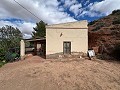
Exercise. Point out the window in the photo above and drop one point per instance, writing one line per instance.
(67, 47)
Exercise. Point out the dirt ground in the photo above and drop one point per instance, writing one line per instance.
(76, 74)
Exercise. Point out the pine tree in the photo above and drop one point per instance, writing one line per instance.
(39, 30)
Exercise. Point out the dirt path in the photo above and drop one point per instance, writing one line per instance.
(38, 74)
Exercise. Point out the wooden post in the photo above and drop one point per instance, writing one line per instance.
(35, 48)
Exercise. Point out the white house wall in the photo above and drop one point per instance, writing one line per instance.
(76, 33)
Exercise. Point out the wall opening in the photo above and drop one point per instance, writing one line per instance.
(66, 47)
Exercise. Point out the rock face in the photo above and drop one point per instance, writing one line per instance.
(105, 31)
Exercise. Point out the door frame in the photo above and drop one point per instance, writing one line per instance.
(70, 47)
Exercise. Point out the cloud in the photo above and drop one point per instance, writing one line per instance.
(68, 3)
(103, 8)
(46, 10)
(106, 6)
(25, 27)
(75, 8)
(72, 5)
(52, 11)
(3, 23)
(87, 2)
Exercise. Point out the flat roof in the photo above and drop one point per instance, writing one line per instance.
(70, 25)
(38, 39)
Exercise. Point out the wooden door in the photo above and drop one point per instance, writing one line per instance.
(67, 47)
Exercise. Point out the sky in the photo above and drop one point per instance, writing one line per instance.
(52, 12)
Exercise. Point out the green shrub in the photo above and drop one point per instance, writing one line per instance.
(98, 26)
(92, 22)
(117, 21)
(116, 12)
(2, 63)
(101, 24)
(2, 55)
(116, 51)
(10, 57)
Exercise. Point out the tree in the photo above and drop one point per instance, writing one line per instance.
(39, 30)
(9, 38)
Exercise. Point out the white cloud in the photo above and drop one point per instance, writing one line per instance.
(87, 2)
(46, 10)
(27, 36)
(99, 9)
(72, 5)
(3, 23)
(106, 6)
(75, 9)
(26, 27)
(68, 3)
(50, 12)
(90, 14)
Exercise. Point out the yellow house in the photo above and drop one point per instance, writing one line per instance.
(66, 38)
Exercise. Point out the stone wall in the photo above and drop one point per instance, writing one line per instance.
(61, 55)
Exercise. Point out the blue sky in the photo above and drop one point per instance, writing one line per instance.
(84, 5)
(52, 12)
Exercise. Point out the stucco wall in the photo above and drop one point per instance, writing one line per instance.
(76, 33)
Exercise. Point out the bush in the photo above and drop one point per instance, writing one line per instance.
(116, 12)
(92, 22)
(101, 24)
(117, 21)
(2, 63)
(116, 51)
(10, 57)
(2, 55)
(98, 26)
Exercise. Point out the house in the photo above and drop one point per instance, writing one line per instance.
(64, 39)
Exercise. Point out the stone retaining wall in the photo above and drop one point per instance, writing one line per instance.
(61, 55)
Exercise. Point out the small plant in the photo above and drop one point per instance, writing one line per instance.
(101, 24)
(98, 26)
(92, 22)
(2, 63)
(2, 55)
(117, 21)
(10, 57)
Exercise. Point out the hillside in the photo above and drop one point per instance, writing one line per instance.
(106, 32)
